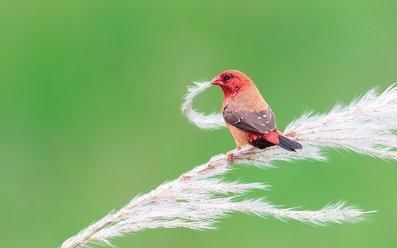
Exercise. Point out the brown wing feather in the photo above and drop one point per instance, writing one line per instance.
(251, 121)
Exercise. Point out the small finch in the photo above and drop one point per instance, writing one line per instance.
(247, 115)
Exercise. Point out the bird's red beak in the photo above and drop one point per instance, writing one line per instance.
(217, 81)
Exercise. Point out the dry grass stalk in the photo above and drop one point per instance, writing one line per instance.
(200, 197)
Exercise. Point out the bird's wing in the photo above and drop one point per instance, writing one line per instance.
(251, 121)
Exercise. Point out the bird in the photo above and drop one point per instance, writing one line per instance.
(247, 115)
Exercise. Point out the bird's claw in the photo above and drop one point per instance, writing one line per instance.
(230, 157)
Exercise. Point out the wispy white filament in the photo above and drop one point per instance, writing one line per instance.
(210, 121)
(198, 198)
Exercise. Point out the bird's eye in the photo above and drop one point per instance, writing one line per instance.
(227, 77)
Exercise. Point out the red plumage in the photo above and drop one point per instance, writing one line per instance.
(247, 115)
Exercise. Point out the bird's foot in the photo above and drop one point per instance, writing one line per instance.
(230, 157)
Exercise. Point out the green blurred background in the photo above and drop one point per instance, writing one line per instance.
(90, 95)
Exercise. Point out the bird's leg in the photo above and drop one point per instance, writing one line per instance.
(230, 155)
(230, 158)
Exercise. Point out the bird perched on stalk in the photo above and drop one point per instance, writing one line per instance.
(248, 117)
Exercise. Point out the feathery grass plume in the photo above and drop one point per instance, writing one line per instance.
(200, 197)
(210, 121)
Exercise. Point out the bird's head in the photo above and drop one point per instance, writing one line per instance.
(232, 81)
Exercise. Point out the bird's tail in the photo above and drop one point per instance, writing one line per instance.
(288, 144)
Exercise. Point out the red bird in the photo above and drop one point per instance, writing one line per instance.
(247, 115)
